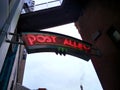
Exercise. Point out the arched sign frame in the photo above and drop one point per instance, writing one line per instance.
(44, 41)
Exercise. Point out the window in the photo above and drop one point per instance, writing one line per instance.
(114, 34)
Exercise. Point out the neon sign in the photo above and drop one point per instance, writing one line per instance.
(52, 42)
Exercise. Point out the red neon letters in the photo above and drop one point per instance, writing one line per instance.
(34, 39)
(74, 44)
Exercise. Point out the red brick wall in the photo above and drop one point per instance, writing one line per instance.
(99, 16)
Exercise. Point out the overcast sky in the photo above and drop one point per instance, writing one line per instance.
(44, 1)
(43, 4)
(56, 72)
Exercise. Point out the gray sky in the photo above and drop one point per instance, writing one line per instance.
(43, 1)
(56, 72)
(47, 5)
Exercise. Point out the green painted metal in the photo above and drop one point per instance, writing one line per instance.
(7, 68)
